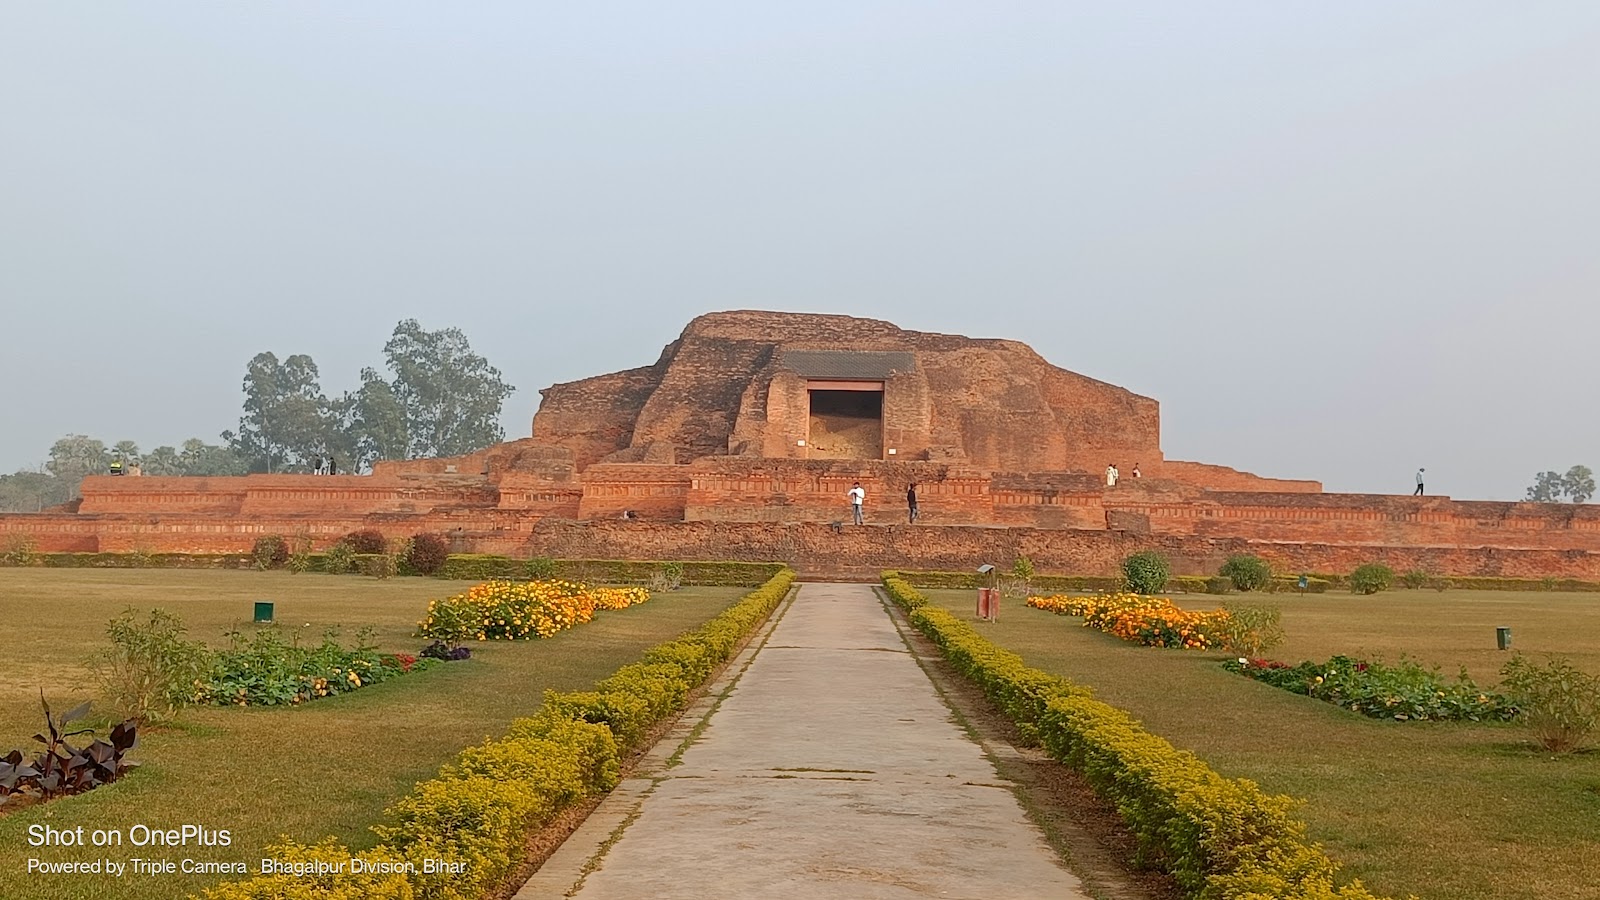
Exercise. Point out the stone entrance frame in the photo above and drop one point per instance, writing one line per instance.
(844, 419)
(847, 410)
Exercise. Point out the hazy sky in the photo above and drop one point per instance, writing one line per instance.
(1336, 241)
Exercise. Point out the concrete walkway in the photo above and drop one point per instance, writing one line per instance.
(825, 766)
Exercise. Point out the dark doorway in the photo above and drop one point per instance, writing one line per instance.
(846, 425)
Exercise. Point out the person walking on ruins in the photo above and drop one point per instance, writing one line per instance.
(1419, 483)
(1136, 471)
(858, 496)
(1111, 474)
(911, 503)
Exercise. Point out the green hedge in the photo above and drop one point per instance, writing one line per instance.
(1318, 583)
(1041, 583)
(1290, 584)
(1219, 838)
(457, 566)
(145, 560)
(478, 566)
(484, 805)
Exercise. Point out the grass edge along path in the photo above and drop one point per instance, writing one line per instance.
(480, 810)
(1219, 838)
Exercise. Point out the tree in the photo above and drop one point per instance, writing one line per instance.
(31, 491)
(1580, 484)
(449, 397)
(287, 422)
(73, 457)
(201, 458)
(1576, 485)
(378, 421)
(162, 460)
(127, 451)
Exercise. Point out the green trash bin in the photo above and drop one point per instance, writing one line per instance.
(263, 612)
(1502, 637)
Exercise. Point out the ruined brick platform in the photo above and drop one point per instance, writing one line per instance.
(741, 441)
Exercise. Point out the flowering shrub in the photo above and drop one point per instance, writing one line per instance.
(1404, 691)
(1219, 838)
(1150, 621)
(1558, 701)
(267, 670)
(482, 806)
(618, 597)
(521, 610)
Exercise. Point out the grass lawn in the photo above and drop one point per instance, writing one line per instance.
(329, 767)
(1444, 811)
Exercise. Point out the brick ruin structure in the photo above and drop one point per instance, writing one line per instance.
(743, 438)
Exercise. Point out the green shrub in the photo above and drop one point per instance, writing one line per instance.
(300, 560)
(1249, 573)
(1219, 838)
(1022, 567)
(1371, 578)
(1290, 584)
(1219, 584)
(271, 551)
(267, 669)
(1250, 630)
(1146, 572)
(668, 578)
(428, 553)
(377, 882)
(1558, 701)
(1417, 578)
(378, 565)
(149, 671)
(1188, 584)
(367, 540)
(339, 560)
(482, 806)
(1404, 691)
(1056, 584)
(479, 567)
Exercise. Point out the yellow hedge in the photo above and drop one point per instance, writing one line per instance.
(1220, 838)
(484, 804)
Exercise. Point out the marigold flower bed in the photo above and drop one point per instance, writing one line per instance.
(1150, 621)
(522, 610)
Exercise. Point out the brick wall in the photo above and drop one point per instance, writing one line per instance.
(819, 549)
(815, 547)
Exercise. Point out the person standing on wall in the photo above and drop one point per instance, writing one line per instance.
(911, 503)
(857, 496)
(1419, 483)
(1111, 474)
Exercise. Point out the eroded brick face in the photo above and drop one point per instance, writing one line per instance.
(704, 455)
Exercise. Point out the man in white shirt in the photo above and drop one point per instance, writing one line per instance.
(1111, 475)
(857, 496)
(1419, 483)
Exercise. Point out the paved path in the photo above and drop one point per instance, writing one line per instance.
(827, 767)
